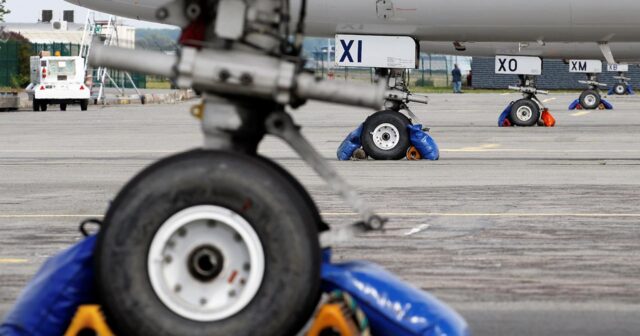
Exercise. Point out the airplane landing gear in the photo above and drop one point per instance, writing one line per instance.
(213, 233)
(221, 241)
(528, 111)
(385, 134)
(591, 98)
(623, 87)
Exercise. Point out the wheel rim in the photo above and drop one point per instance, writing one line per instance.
(524, 113)
(590, 100)
(206, 263)
(620, 89)
(386, 136)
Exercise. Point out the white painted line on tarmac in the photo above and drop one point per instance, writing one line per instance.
(417, 229)
(13, 261)
(579, 114)
(507, 214)
(86, 151)
(536, 150)
(505, 94)
(481, 148)
(549, 100)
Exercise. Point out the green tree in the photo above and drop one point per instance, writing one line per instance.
(3, 10)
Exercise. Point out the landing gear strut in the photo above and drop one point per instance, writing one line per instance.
(385, 135)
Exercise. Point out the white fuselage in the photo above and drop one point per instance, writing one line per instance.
(548, 24)
(479, 20)
(441, 20)
(623, 52)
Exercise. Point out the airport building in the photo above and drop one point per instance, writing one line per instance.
(57, 33)
(68, 30)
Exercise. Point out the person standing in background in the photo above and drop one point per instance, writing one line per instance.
(456, 76)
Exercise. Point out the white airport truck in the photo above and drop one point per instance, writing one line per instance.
(58, 80)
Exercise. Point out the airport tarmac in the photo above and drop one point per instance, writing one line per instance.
(526, 231)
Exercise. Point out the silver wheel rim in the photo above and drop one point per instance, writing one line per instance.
(620, 89)
(590, 100)
(386, 136)
(524, 113)
(206, 263)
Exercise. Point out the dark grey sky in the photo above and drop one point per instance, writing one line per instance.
(30, 10)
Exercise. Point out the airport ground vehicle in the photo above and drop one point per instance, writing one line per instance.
(57, 80)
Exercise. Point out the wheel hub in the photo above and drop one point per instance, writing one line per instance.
(386, 136)
(590, 100)
(524, 113)
(206, 263)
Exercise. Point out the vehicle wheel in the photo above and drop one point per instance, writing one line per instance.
(590, 99)
(524, 112)
(209, 243)
(620, 89)
(84, 104)
(43, 105)
(63, 107)
(36, 105)
(385, 135)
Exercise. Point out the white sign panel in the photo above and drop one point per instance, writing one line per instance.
(618, 67)
(518, 65)
(369, 51)
(585, 66)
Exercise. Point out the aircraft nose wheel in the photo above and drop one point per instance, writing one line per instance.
(525, 112)
(590, 99)
(385, 135)
(620, 89)
(203, 243)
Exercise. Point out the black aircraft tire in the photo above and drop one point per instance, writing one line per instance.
(525, 113)
(43, 105)
(590, 99)
(250, 190)
(63, 107)
(385, 135)
(36, 105)
(620, 89)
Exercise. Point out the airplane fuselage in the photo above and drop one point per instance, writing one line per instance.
(624, 52)
(473, 20)
(442, 20)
